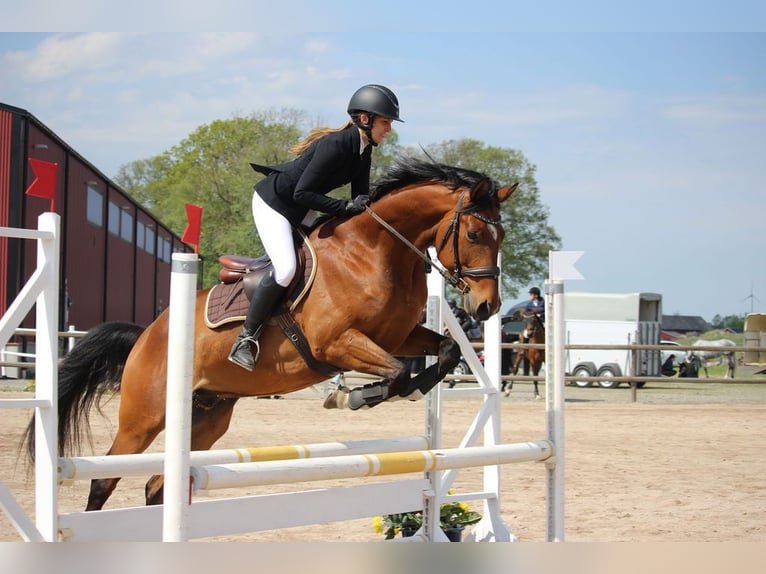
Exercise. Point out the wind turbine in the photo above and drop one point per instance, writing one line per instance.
(752, 297)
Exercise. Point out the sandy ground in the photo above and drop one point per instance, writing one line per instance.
(635, 472)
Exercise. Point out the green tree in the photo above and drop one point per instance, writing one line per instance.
(733, 322)
(211, 168)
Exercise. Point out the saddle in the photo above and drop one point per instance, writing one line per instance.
(228, 301)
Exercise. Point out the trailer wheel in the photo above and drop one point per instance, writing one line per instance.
(460, 369)
(608, 371)
(584, 370)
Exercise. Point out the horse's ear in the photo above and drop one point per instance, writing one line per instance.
(481, 189)
(505, 192)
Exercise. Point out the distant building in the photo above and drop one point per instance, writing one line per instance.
(115, 255)
(675, 326)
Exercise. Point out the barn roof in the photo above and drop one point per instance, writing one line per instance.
(684, 323)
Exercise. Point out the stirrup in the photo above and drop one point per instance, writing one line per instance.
(242, 353)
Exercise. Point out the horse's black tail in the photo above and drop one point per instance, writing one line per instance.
(93, 367)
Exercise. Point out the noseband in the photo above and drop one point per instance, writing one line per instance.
(454, 277)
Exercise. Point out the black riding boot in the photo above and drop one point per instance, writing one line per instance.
(264, 298)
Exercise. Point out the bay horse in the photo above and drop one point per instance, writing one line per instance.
(534, 329)
(361, 311)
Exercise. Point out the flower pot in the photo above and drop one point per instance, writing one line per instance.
(407, 532)
(455, 533)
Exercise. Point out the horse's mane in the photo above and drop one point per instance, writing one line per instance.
(412, 170)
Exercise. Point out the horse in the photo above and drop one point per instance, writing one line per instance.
(360, 313)
(534, 330)
(705, 356)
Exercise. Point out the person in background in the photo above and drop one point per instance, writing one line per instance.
(668, 369)
(462, 317)
(536, 304)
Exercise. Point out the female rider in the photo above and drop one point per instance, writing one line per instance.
(294, 191)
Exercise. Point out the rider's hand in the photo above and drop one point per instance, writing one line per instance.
(358, 204)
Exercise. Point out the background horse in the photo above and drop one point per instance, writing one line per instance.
(706, 356)
(534, 329)
(361, 311)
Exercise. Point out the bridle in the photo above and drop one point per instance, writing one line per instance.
(454, 277)
(534, 323)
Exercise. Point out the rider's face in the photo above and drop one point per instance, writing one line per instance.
(380, 128)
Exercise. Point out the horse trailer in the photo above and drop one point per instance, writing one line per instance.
(612, 319)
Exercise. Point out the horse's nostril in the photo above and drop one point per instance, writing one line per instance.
(482, 311)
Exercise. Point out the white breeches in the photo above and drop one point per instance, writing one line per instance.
(276, 235)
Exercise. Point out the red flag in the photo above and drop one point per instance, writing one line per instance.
(44, 184)
(191, 233)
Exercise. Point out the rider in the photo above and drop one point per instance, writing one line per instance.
(535, 306)
(294, 191)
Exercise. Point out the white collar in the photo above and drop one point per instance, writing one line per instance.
(362, 145)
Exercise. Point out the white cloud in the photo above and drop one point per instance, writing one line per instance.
(706, 111)
(548, 107)
(318, 46)
(63, 55)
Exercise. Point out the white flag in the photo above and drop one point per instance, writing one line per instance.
(561, 265)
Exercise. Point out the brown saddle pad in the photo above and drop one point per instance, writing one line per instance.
(228, 302)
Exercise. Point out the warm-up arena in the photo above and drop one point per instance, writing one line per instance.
(178, 519)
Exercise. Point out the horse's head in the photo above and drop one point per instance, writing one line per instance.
(468, 241)
(457, 211)
(533, 324)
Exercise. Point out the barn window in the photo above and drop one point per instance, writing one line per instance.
(95, 207)
(114, 218)
(149, 244)
(126, 226)
(140, 232)
(164, 250)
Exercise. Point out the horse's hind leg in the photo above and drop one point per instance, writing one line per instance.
(210, 421)
(136, 439)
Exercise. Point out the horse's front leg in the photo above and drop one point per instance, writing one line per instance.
(363, 355)
(421, 342)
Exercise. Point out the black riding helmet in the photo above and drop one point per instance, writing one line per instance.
(534, 291)
(376, 100)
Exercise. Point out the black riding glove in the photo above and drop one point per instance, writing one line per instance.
(357, 204)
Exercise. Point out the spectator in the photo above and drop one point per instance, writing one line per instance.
(668, 368)
(690, 368)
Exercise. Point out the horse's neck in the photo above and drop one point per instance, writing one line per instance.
(415, 213)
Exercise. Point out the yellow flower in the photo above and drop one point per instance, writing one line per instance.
(377, 524)
(463, 506)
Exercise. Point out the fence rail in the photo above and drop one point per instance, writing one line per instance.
(72, 335)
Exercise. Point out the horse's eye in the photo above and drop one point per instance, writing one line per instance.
(473, 235)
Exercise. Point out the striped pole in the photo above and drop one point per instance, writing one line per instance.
(145, 464)
(213, 477)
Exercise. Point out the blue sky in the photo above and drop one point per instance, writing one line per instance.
(650, 146)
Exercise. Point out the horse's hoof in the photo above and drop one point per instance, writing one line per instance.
(337, 399)
(508, 393)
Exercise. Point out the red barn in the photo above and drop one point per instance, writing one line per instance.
(115, 255)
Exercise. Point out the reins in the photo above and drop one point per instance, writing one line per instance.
(453, 278)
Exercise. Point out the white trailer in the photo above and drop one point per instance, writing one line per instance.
(612, 319)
